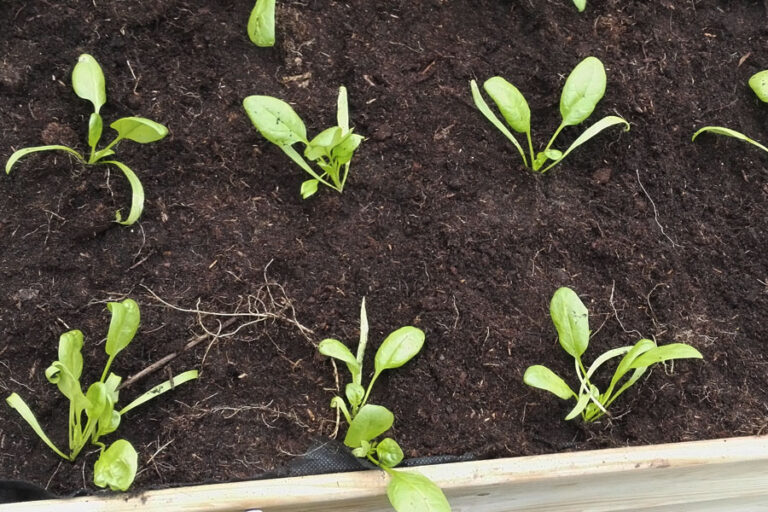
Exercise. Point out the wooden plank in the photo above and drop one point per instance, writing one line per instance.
(721, 475)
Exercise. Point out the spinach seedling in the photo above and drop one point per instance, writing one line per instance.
(580, 4)
(759, 84)
(88, 83)
(571, 320)
(261, 23)
(407, 492)
(331, 150)
(583, 89)
(116, 466)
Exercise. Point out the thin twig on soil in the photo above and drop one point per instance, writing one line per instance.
(655, 210)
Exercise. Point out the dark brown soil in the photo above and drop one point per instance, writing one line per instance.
(439, 227)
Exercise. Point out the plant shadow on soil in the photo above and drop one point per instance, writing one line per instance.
(439, 226)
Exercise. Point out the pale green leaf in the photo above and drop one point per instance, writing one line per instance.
(583, 89)
(88, 81)
(25, 151)
(344, 150)
(16, 402)
(581, 404)
(95, 127)
(321, 144)
(355, 393)
(389, 452)
(510, 102)
(635, 351)
(398, 348)
(720, 130)
(337, 350)
(371, 421)
(590, 132)
(160, 389)
(139, 129)
(571, 320)
(342, 110)
(261, 23)
(482, 106)
(666, 353)
(70, 352)
(122, 326)
(275, 120)
(542, 377)
(759, 84)
(413, 492)
(137, 194)
(580, 4)
(309, 188)
(116, 466)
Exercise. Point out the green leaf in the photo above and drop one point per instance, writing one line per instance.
(321, 144)
(759, 84)
(122, 326)
(160, 389)
(495, 121)
(389, 453)
(553, 154)
(261, 23)
(355, 393)
(571, 320)
(666, 353)
(580, 4)
(637, 349)
(137, 194)
(95, 127)
(342, 110)
(337, 350)
(581, 404)
(413, 492)
(309, 188)
(345, 149)
(88, 81)
(510, 102)
(70, 355)
(116, 466)
(720, 130)
(398, 348)
(338, 403)
(583, 89)
(542, 377)
(590, 132)
(371, 421)
(275, 120)
(25, 151)
(139, 129)
(363, 450)
(16, 402)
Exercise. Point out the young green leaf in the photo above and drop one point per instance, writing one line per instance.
(389, 453)
(261, 23)
(541, 377)
(580, 4)
(759, 84)
(17, 155)
(590, 132)
(122, 326)
(321, 144)
(276, 120)
(116, 466)
(720, 130)
(88, 81)
(342, 110)
(95, 127)
(413, 492)
(16, 402)
(137, 194)
(583, 89)
(398, 348)
(139, 129)
(666, 353)
(571, 320)
(355, 394)
(160, 389)
(337, 350)
(510, 102)
(70, 352)
(482, 106)
(309, 188)
(371, 421)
